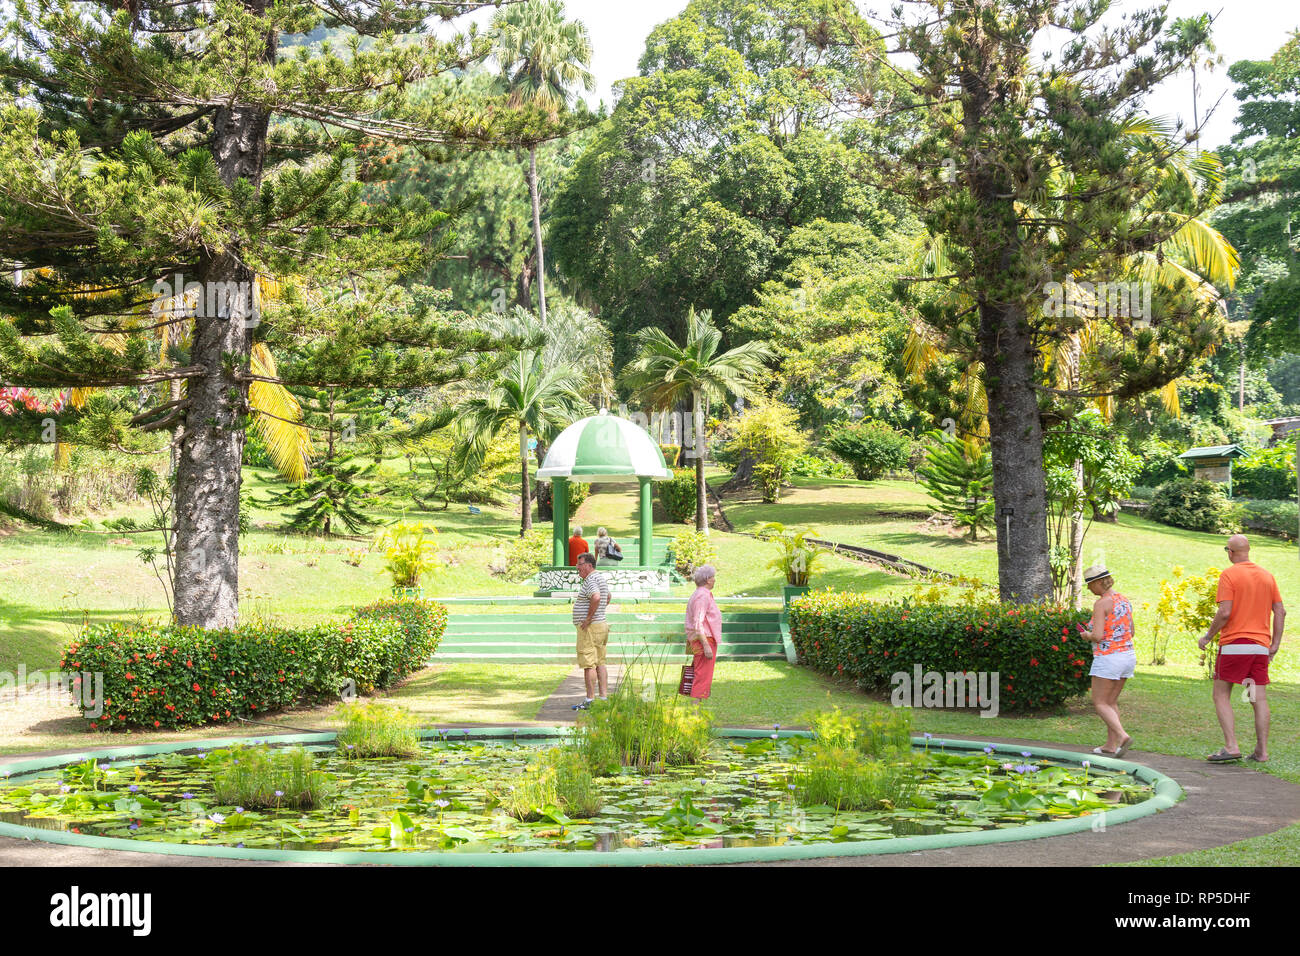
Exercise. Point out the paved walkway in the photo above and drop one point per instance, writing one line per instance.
(558, 708)
(1225, 803)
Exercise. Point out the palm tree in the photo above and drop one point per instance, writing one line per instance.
(542, 57)
(532, 396)
(665, 373)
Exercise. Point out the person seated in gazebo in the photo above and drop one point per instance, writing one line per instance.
(577, 546)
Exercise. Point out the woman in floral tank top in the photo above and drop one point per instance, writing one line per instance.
(1113, 657)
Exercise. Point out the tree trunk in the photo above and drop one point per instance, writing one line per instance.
(537, 234)
(697, 448)
(525, 492)
(1076, 540)
(1019, 481)
(545, 491)
(206, 578)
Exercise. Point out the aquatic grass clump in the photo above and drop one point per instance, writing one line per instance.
(643, 727)
(875, 732)
(841, 777)
(377, 730)
(259, 778)
(559, 778)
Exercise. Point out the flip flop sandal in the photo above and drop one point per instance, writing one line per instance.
(1223, 757)
(1105, 753)
(1123, 748)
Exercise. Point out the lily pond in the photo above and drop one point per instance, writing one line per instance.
(449, 798)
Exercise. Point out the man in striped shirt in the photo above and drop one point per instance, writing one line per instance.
(593, 629)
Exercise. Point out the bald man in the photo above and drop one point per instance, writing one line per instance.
(1247, 597)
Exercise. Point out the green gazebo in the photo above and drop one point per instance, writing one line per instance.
(1213, 462)
(607, 449)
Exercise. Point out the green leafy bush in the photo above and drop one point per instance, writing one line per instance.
(1194, 505)
(672, 454)
(1268, 473)
(814, 466)
(258, 778)
(522, 557)
(1277, 517)
(691, 549)
(409, 552)
(169, 676)
(768, 433)
(1040, 659)
(377, 730)
(871, 448)
(577, 492)
(679, 496)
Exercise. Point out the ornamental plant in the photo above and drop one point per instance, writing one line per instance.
(797, 556)
(1040, 659)
(871, 448)
(678, 496)
(1187, 603)
(257, 778)
(408, 552)
(690, 550)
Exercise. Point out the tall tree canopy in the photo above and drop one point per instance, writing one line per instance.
(158, 143)
(725, 144)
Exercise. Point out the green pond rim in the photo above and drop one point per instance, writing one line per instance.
(1167, 792)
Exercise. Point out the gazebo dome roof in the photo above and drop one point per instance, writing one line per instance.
(604, 447)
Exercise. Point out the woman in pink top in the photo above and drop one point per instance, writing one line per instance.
(703, 629)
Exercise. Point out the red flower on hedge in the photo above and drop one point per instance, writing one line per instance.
(1033, 662)
(197, 688)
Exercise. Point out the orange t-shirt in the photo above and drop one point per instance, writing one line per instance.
(577, 546)
(1253, 592)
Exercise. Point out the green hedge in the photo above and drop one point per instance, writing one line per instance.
(1040, 658)
(679, 496)
(168, 676)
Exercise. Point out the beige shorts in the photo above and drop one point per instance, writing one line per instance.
(591, 643)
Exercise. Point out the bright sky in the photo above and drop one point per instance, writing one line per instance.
(1244, 30)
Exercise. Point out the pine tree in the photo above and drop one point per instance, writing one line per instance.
(158, 144)
(962, 483)
(1026, 168)
(346, 425)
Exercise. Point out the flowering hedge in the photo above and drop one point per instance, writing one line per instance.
(168, 676)
(1040, 658)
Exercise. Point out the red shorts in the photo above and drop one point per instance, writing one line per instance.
(1239, 668)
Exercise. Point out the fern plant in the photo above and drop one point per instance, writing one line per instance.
(797, 556)
(408, 552)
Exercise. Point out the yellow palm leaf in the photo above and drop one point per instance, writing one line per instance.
(275, 411)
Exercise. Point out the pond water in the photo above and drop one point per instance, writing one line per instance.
(445, 799)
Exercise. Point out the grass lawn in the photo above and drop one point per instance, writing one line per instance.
(51, 582)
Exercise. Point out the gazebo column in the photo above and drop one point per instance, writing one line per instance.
(646, 512)
(560, 521)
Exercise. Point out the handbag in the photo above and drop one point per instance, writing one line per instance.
(614, 551)
(687, 681)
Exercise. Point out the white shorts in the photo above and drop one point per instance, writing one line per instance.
(1115, 666)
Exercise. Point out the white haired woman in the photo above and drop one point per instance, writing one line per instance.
(703, 629)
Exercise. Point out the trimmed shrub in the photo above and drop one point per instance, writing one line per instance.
(672, 455)
(871, 448)
(1194, 505)
(169, 676)
(1040, 659)
(678, 496)
(691, 549)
